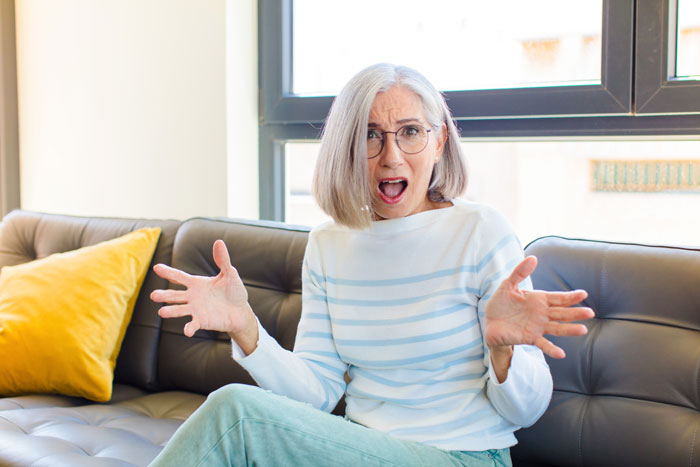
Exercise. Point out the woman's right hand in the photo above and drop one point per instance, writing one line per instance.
(218, 303)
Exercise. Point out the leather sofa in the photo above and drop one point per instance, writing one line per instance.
(627, 393)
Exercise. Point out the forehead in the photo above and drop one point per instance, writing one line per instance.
(396, 104)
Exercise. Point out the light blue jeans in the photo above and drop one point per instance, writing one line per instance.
(243, 425)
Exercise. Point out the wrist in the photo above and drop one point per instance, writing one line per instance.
(501, 356)
(247, 337)
(501, 350)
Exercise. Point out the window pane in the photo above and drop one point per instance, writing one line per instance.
(630, 191)
(458, 44)
(688, 41)
(300, 205)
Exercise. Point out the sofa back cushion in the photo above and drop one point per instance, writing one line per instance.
(628, 393)
(268, 257)
(26, 236)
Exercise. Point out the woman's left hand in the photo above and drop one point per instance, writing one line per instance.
(515, 316)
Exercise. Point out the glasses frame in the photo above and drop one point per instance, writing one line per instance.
(396, 140)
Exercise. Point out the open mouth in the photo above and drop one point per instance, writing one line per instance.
(391, 190)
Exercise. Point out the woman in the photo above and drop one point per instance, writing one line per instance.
(410, 309)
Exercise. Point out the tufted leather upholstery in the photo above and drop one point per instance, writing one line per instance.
(268, 257)
(628, 393)
(131, 432)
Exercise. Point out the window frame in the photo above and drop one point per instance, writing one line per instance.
(9, 128)
(613, 96)
(605, 110)
(657, 89)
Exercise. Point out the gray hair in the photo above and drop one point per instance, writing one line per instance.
(340, 183)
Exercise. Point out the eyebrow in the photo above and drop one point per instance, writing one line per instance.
(400, 122)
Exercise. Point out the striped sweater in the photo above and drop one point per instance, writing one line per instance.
(400, 308)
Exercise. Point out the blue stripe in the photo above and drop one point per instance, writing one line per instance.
(322, 316)
(321, 379)
(393, 302)
(337, 371)
(327, 391)
(405, 340)
(422, 358)
(398, 281)
(417, 401)
(418, 278)
(460, 361)
(499, 276)
(400, 384)
(319, 335)
(391, 322)
(320, 353)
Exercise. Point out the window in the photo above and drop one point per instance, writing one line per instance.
(559, 45)
(688, 40)
(638, 109)
(633, 191)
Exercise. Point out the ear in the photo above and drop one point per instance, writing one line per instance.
(441, 138)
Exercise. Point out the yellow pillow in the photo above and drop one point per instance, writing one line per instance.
(63, 317)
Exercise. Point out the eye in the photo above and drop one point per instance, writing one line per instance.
(373, 135)
(411, 131)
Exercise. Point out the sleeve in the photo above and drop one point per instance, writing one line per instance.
(313, 372)
(525, 394)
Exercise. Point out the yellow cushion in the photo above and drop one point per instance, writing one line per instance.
(63, 317)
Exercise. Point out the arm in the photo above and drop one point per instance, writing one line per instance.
(220, 303)
(514, 319)
(314, 372)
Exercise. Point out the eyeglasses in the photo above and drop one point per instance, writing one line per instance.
(411, 139)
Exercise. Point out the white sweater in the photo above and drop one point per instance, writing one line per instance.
(400, 308)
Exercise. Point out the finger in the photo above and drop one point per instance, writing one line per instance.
(192, 327)
(174, 311)
(221, 256)
(565, 329)
(169, 296)
(173, 275)
(522, 271)
(578, 313)
(565, 298)
(550, 349)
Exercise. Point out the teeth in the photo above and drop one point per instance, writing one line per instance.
(392, 181)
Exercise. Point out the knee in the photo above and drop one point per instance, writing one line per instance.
(234, 396)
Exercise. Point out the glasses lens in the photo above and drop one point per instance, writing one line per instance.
(412, 138)
(374, 142)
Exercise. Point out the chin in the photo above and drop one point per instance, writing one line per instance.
(394, 212)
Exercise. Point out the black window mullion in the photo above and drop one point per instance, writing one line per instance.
(657, 90)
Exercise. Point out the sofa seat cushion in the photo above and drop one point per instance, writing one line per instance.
(120, 392)
(125, 433)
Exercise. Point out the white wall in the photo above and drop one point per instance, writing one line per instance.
(123, 107)
(242, 107)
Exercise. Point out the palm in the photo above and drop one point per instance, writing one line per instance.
(515, 316)
(215, 300)
(218, 303)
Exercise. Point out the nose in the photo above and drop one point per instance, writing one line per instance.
(391, 156)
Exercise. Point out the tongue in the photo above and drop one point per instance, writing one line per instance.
(392, 190)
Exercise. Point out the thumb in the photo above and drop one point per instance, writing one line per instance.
(221, 257)
(192, 327)
(522, 271)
